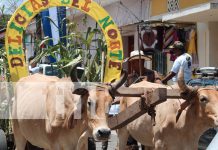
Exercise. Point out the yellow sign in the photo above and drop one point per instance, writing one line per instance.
(26, 12)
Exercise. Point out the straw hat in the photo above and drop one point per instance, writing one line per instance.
(135, 55)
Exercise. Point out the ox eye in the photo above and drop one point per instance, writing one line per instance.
(89, 103)
(203, 99)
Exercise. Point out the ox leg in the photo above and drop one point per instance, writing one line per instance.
(123, 135)
(83, 141)
(55, 147)
(159, 142)
(159, 145)
(20, 141)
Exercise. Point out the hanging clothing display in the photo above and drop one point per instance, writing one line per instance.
(148, 39)
(192, 48)
(155, 40)
(170, 36)
(181, 33)
(160, 33)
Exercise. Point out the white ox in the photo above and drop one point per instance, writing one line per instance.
(200, 113)
(48, 115)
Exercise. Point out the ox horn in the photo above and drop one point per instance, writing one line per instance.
(73, 72)
(119, 83)
(186, 91)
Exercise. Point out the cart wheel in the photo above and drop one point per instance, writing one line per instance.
(3, 141)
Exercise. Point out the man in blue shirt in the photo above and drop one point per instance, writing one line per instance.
(183, 60)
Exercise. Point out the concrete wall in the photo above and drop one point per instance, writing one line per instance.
(213, 37)
(203, 44)
(207, 44)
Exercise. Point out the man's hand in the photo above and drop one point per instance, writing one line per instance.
(164, 82)
(168, 77)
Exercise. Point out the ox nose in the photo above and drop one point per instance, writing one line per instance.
(104, 133)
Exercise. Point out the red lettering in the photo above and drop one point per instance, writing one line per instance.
(115, 65)
(75, 3)
(112, 33)
(115, 45)
(85, 7)
(16, 61)
(20, 19)
(45, 3)
(35, 4)
(18, 40)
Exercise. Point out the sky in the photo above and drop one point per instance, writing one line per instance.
(9, 3)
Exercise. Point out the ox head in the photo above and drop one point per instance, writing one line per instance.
(204, 100)
(97, 101)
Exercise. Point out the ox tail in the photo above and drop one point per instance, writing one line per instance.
(14, 116)
(14, 106)
(15, 123)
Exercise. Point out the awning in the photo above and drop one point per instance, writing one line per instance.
(201, 13)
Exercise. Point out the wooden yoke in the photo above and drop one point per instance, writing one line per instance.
(149, 98)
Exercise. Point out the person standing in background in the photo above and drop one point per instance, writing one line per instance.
(183, 60)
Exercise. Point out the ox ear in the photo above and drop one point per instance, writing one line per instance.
(80, 91)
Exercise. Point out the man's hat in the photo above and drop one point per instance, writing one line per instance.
(177, 45)
(135, 55)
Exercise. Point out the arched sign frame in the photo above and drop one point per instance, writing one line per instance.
(26, 12)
